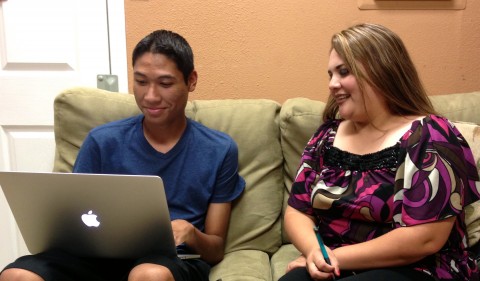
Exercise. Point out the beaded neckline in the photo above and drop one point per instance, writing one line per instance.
(386, 158)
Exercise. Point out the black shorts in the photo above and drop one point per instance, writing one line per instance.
(57, 265)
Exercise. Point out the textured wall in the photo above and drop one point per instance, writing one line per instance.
(279, 49)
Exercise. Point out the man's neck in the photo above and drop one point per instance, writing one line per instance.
(164, 137)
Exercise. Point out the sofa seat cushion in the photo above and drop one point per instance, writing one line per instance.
(248, 265)
(281, 258)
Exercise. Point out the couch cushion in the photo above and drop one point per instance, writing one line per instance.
(244, 265)
(471, 133)
(458, 107)
(253, 124)
(255, 221)
(299, 119)
(77, 111)
(281, 258)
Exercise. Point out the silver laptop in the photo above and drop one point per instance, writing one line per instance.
(91, 215)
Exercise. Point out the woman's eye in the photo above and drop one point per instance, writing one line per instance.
(343, 72)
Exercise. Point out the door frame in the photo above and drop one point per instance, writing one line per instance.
(118, 42)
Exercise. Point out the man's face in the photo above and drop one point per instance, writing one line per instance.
(160, 90)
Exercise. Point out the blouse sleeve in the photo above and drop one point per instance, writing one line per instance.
(438, 176)
(311, 163)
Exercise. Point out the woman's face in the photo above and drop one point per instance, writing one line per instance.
(344, 88)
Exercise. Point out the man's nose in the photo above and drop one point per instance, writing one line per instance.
(151, 92)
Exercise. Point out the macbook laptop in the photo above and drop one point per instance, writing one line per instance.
(91, 215)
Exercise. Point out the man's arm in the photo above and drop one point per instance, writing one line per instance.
(211, 244)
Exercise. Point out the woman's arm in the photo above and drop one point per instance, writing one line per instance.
(299, 228)
(401, 246)
(398, 247)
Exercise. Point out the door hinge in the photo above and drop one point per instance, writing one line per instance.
(107, 82)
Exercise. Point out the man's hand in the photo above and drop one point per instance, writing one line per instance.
(183, 232)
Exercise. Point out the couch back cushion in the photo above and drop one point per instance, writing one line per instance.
(471, 132)
(77, 111)
(462, 109)
(253, 124)
(459, 106)
(299, 119)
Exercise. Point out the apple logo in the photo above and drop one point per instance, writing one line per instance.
(90, 219)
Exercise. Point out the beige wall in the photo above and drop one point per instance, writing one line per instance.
(278, 49)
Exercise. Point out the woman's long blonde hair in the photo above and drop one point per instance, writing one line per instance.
(387, 68)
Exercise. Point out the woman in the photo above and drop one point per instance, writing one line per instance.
(384, 179)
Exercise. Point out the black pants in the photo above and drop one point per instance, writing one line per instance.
(384, 274)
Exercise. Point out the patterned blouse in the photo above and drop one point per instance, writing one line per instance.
(429, 175)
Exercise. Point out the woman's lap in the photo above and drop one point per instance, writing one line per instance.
(387, 274)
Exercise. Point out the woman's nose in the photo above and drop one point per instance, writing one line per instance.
(333, 83)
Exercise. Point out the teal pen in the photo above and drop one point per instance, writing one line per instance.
(322, 247)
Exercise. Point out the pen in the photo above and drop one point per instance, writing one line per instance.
(322, 247)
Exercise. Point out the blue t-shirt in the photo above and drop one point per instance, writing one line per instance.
(202, 168)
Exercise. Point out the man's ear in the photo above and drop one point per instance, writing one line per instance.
(192, 81)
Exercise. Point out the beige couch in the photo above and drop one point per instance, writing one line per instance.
(270, 137)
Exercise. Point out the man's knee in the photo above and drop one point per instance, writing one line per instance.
(148, 271)
(18, 274)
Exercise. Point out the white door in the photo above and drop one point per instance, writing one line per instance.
(47, 46)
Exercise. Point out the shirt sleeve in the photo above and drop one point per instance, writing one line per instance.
(229, 184)
(88, 158)
(438, 177)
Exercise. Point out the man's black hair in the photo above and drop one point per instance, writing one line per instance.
(170, 44)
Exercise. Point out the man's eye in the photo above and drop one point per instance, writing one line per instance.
(140, 82)
(166, 85)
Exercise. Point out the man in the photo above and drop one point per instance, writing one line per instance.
(198, 165)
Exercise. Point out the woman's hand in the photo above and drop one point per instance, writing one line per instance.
(300, 229)
(318, 268)
(301, 261)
